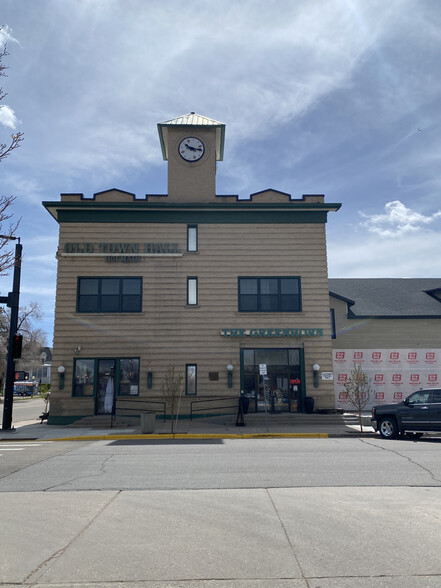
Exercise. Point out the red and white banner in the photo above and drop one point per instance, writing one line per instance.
(393, 373)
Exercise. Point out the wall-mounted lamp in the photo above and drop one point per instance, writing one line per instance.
(77, 349)
(315, 373)
(230, 375)
(149, 379)
(61, 370)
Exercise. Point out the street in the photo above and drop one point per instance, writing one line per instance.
(270, 513)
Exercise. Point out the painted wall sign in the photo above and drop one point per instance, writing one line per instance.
(121, 252)
(272, 332)
(121, 248)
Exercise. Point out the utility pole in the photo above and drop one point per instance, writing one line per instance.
(12, 300)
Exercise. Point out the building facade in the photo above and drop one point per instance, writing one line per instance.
(232, 293)
(391, 327)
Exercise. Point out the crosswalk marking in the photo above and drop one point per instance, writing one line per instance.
(17, 446)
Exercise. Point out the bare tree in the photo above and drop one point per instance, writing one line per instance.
(7, 258)
(33, 338)
(358, 389)
(171, 391)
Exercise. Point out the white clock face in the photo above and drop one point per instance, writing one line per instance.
(191, 149)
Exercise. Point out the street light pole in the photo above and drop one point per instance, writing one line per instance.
(12, 300)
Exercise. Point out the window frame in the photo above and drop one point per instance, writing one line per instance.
(191, 279)
(195, 228)
(195, 366)
(101, 297)
(118, 371)
(259, 294)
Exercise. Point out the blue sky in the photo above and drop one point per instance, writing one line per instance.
(334, 97)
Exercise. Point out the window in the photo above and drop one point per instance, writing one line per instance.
(333, 331)
(109, 295)
(192, 291)
(269, 295)
(92, 375)
(192, 237)
(191, 370)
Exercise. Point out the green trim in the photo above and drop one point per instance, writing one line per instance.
(215, 213)
(302, 377)
(66, 420)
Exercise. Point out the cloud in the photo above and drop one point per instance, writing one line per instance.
(397, 220)
(7, 117)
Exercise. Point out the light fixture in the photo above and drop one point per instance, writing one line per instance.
(61, 370)
(77, 349)
(149, 379)
(230, 375)
(315, 371)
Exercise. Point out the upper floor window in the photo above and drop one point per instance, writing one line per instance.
(192, 237)
(109, 295)
(269, 294)
(192, 291)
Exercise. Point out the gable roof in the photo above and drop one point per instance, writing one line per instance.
(389, 297)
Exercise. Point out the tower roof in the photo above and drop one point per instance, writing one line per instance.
(192, 120)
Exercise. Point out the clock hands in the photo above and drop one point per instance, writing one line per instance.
(193, 148)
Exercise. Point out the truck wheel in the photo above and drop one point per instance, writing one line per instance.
(388, 428)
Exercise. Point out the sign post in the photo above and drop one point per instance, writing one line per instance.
(264, 373)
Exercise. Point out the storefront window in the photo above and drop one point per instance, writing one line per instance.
(280, 389)
(106, 378)
(84, 377)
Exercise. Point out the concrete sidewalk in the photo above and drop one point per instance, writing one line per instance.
(256, 425)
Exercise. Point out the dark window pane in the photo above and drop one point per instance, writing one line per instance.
(110, 286)
(289, 303)
(248, 357)
(248, 303)
(131, 304)
(131, 286)
(88, 304)
(269, 303)
(268, 286)
(294, 357)
(128, 377)
(109, 304)
(88, 286)
(289, 286)
(247, 286)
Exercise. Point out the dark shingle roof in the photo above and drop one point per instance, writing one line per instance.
(389, 297)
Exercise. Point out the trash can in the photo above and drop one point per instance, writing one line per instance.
(148, 422)
(309, 404)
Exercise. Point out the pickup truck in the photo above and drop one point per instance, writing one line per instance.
(419, 413)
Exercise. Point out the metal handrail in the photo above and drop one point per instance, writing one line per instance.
(133, 401)
(220, 399)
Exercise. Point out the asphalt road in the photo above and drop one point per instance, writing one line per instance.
(258, 513)
(209, 464)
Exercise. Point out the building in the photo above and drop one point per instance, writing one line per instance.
(231, 292)
(391, 327)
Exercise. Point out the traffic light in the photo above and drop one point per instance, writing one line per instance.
(17, 344)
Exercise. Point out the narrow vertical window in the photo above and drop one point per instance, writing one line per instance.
(191, 370)
(333, 331)
(192, 237)
(192, 291)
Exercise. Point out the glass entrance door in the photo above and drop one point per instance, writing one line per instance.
(106, 386)
(280, 389)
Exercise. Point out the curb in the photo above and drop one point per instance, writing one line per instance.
(183, 436)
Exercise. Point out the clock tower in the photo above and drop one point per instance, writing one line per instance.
(192, 144)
